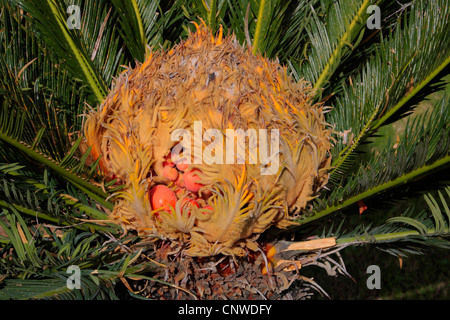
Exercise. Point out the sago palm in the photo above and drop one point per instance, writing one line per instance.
(115, 148)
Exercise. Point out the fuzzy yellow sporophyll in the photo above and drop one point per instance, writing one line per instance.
(206, 208)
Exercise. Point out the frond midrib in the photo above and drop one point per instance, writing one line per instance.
(376, 190)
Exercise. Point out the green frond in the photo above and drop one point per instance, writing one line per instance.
(40, 122)
(291, 44)
(211, 11)
(51, 21)
(257, 23)
(262, 25)
(411, 233)
(56, 288)
(100, 268)
(103, 40)
(41, 200)
(148, 15)
(94, 191)
(21, 239)
(331, 39)
(389, 80)
(424, 147)
(132, 28)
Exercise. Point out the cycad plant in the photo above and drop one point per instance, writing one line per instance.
(93, 204)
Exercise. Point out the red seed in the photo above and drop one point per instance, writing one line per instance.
(192, 202)
(182, 165)
(161, 196)
(180, 181)
(168, 161)
(170, 173)
(190, 180)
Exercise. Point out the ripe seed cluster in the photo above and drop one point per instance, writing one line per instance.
(184, 185)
